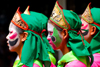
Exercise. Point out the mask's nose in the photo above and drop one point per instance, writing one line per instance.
(7, 37)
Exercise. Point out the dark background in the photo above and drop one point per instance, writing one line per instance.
(9, 7)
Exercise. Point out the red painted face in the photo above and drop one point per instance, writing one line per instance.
(85, 27)
(13, 38)
(85, 30)
(13, 35)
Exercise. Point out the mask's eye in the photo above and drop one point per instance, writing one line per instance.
(11, 32)
(53, 38)
(51, 33)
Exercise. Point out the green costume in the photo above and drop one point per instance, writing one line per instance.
(96, 39)
(69, 57)
(66, 19)
(92, 16)
(36, 45)
(44, 23)
(17, 63)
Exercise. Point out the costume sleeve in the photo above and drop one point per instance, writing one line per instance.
(96, 62)
(37, 63)
(24, 66)
(52, 65)
(34, 65)
(75, 63)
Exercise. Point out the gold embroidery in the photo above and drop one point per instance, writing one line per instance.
(87, 15)
(18, 21)
(58, 17)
